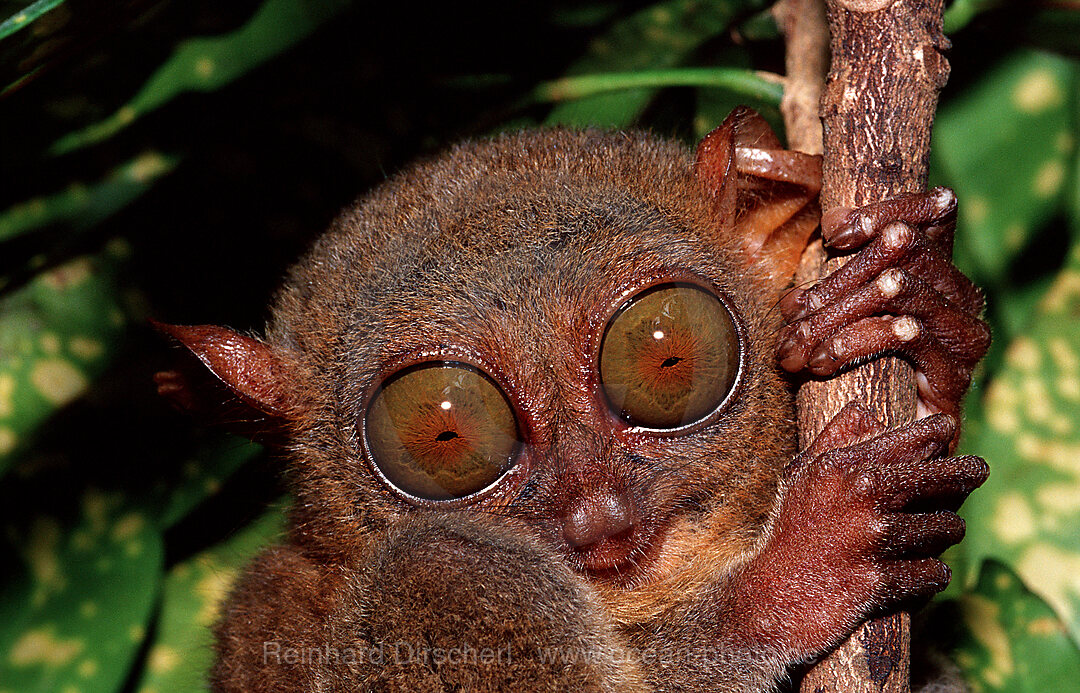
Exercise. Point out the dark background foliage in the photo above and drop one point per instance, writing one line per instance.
(170, 159)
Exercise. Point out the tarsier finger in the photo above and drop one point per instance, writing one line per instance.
(938, 482)
(845, 228)
(898, 294)
(915, 579)
(922, 534)
(887, 250)
(950, 282)
(853, 423)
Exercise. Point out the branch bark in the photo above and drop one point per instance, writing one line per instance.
(878, 108)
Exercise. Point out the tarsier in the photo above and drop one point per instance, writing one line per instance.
(532, 395)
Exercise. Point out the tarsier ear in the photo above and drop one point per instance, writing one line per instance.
(714, 165)
(768, 193)
(234, 381)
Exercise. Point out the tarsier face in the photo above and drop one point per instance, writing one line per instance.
(584, 353)
(446, 431)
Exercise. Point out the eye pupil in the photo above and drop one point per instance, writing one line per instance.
(669, 357)
(440, 431)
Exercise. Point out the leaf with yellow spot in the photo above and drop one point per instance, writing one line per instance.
(1007, 640)
(29, 37)
(66, 615)
(26, 16)
(56, 335)
(200, 478)
(1005, 144)
(180, 655)
(83, 206)
(1028, 428)
(209, 63)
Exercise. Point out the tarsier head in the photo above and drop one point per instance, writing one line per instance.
(565, 329)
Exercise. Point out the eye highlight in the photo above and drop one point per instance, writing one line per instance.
(669, 357)
(441, 431)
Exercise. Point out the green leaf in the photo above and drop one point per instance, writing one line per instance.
(1072, 201)
(202, 476)
(661, 36)
(760, 27)
(56, 334)
(1011, 641)
(1028, 511)
(1056, 26)
(744, 83)
(84, 206)
(26, 17)
(961, 12)
(584, 14)
(75, 614)
(206, 64)
(194, 589)
(1005, 144)
(713, 105)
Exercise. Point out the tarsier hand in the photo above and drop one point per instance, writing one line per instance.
(900, 293)
(864, 514)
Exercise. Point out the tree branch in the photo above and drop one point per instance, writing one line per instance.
(878, 109)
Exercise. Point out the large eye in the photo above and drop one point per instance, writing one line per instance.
(669, 357)
(441, 431)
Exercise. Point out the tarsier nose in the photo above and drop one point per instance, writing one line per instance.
(597, 517)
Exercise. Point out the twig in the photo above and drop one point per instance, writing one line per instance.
(878, 108)
(806, 59)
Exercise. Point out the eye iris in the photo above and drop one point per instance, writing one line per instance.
(441, 431)
(669, 357)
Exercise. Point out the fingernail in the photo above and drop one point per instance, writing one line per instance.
(943, 199)
(789, 345)
(896, 235)
(792, 364)
(833, 219)
(890, 282)
(905, 328)
(843, 239)
(791, 305)
(820, 363)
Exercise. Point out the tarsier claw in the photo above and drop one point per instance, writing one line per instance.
(899, 293)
